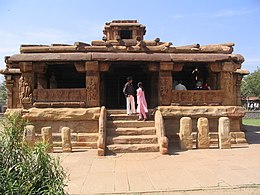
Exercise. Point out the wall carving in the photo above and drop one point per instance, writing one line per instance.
(165, 87)
(92, 87)
(59, 95)
(25, 90)
(197, 97)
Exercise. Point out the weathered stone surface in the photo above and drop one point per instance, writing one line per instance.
(122, 148)
(132, 139)
(29, 135)
(203, 141)
(223, 132)
(186, 140)
(63, 114)
(49, 57)
(130, 57)
(47, 138)
(66, 139)
(198, 111)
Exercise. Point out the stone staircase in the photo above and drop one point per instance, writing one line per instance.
(126, 135)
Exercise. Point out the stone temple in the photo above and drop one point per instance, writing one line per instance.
(79, 87)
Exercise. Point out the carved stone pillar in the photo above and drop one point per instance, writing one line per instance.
(92, 83)
(9, 87)
(165, 83)
(26, 84)
(39, 69)
(227, 83)
(238, 80)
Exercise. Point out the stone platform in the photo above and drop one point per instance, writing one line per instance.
(233, 171)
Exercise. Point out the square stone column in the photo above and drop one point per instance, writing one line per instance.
(165, 87)
(92, 83)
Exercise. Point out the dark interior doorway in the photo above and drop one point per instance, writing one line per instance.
(113, 81)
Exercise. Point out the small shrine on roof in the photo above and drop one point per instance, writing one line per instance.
(45, 80)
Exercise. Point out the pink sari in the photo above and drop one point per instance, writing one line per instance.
(141, 102)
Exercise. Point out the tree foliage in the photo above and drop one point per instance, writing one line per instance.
(251, 85)
(25, 170)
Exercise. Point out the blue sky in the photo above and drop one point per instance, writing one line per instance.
(182, 22)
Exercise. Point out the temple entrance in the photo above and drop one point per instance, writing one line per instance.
(113, 81)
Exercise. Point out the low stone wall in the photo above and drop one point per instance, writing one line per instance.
(173, 114)
(83, 123)
(252, 115)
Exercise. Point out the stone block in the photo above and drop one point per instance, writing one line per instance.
(66, 139)
(203, 141)
(185, 132)
(29, 135)
(224, 133)
(166, 66)
(47, 138)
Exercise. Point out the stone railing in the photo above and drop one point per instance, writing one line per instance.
(197, 97)
(101, 143)
(59, 97)
(160, 132)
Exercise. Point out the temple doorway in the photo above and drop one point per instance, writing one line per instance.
(113, 81)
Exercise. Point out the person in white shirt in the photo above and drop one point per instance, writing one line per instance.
(180, 86)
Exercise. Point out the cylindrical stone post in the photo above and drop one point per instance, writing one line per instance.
(66, 141)
(47, 138)
(185, 134)
(29, 135)
(223, 133)
(203, 141)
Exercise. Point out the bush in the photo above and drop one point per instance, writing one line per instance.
(25, 170)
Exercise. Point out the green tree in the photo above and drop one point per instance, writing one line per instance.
(3, 92)
(251, 85)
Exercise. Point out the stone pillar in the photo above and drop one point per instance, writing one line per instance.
(47, 138)
(227, 84)
(66, 141)
(26, 84)
(9, 86)
(203, 133)
(39, 69)
(223, 133)
(165, 83)
(29, 135)
(185, 134)
(92, 83)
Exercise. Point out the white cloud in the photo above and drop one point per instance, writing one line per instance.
(232, 13)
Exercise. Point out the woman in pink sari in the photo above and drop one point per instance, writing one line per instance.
(141, 103)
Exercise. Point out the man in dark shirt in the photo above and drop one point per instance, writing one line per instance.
(129, 92)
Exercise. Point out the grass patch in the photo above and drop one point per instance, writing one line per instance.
(253, 122)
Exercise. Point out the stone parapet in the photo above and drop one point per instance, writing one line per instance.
(62, 114)
(202, 111)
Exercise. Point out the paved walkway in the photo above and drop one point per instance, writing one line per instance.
(214, 171)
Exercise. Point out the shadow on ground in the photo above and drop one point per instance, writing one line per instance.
(252, 134)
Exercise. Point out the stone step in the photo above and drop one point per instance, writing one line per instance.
(122, 117)
(132, 139)
(131, 148)
(131, 131)
(116, 111)
(92, 145)
(136, 124)
(123, 111)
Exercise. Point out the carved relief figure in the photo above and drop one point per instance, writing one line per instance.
(25, 90)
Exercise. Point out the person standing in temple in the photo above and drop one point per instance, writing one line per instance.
(141, 103)
(180, 86)
(129, 93)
